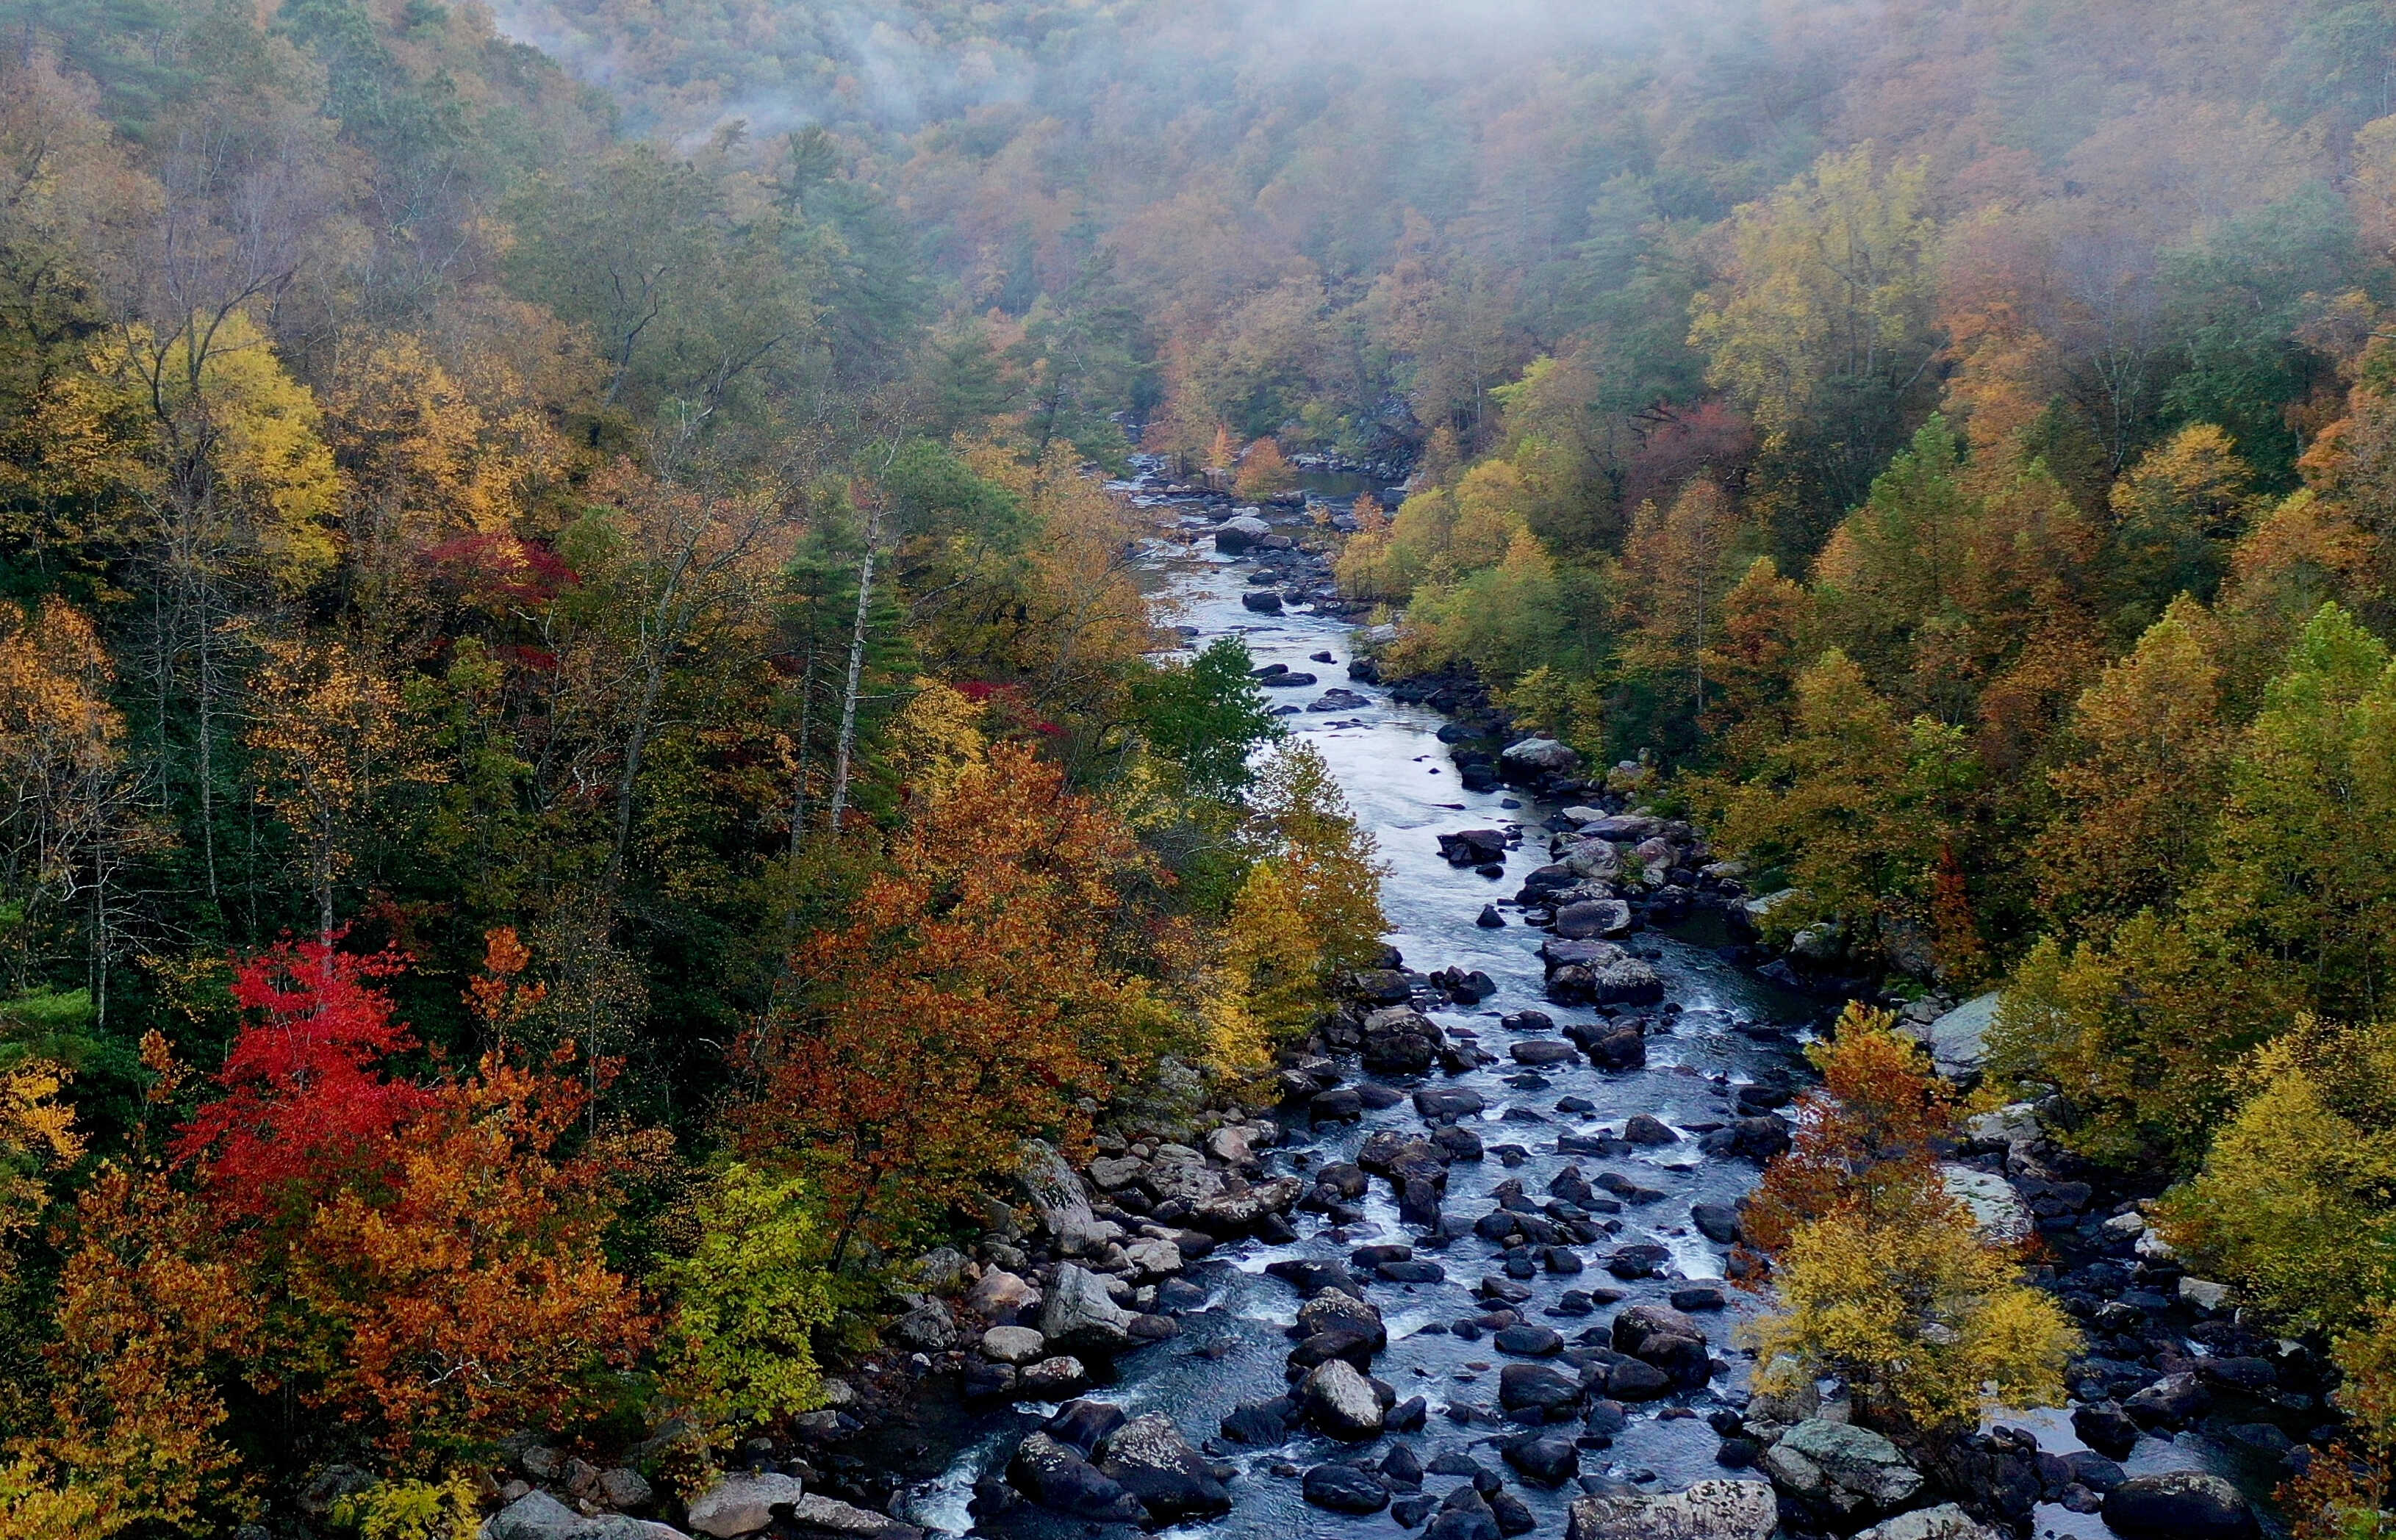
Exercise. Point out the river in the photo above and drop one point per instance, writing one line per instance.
(1403, 789)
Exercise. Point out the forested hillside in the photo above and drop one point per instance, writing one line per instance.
(585, 751)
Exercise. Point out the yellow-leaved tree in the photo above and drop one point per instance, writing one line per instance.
(1884, 1280)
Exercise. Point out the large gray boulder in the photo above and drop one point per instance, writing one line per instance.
(2179, 1505)
(743, 1504)
(1538, 756)
(1057, 1196)
(1598, 972)
(1845, 1471)
(535, 1516)
(1080, 1317)
(1944, 1522)
(2002, 1218)
(1957, 1040)
(1341, 1402)
(1149, 1458)
(1708, 1511)
(1235, 535)
(1058, 1477)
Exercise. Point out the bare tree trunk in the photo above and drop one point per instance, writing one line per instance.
(856, 667)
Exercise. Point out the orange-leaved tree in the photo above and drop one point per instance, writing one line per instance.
(469, 1292)
(995, 974)
(422, 1259)
(1866, 1140)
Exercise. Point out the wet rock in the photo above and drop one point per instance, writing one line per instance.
(1703, 1296)
(1080, 1317)
(1262, 601)
(1548, 1458)
(1610, 1044)
(1598, 972)
(2179, 1505)
(1586, 918)
(1647, 1129)
(1149, 1458)
(1708, 1511)
(1448, 1102)
(1841, 1470)
(1343, 1311)
(1310, 1278)
(1526, 1341)
(1401, 1042)
(1534, 1387)
(1490, 919)
(1344, 1489)
(1640, 1259)
(1717, 1222)
(1260, 1424)
(1473, 846)
(2172, 1401)
(1660, 1336)
(1468, 1520)
(1057, 1476)
(1633, 1381)
(1541, 1052)
(1340, 1401)
(743, 1504)
(1051, 1377)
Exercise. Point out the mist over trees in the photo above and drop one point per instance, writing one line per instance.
(567, 673)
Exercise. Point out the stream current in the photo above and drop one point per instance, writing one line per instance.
(1403, 791)
(1730, 1029)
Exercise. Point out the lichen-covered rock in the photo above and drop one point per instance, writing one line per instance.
(1080, 1317)
(1708, 1511)
(1149, 1458)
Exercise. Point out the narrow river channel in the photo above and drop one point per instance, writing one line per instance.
(1403, 791)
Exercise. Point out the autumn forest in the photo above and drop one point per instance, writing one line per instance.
(592, 739)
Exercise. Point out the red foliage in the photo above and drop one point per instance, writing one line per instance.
(305, 1099)
(1682, 442)
(496, 570)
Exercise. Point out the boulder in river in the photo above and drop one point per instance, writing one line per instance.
(2179, 1505)
(1235, 535)
(1587, 918)
(1061, 1478)
(1662, 1336)
(1944, 1522)
(1840, 1472)
(1598, 972)
(1534, 757)
(1149, 1458)
(1344, 1489)
(1340, 1401)
(1708, 1511)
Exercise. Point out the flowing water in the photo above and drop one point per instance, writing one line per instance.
(1403, 791)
